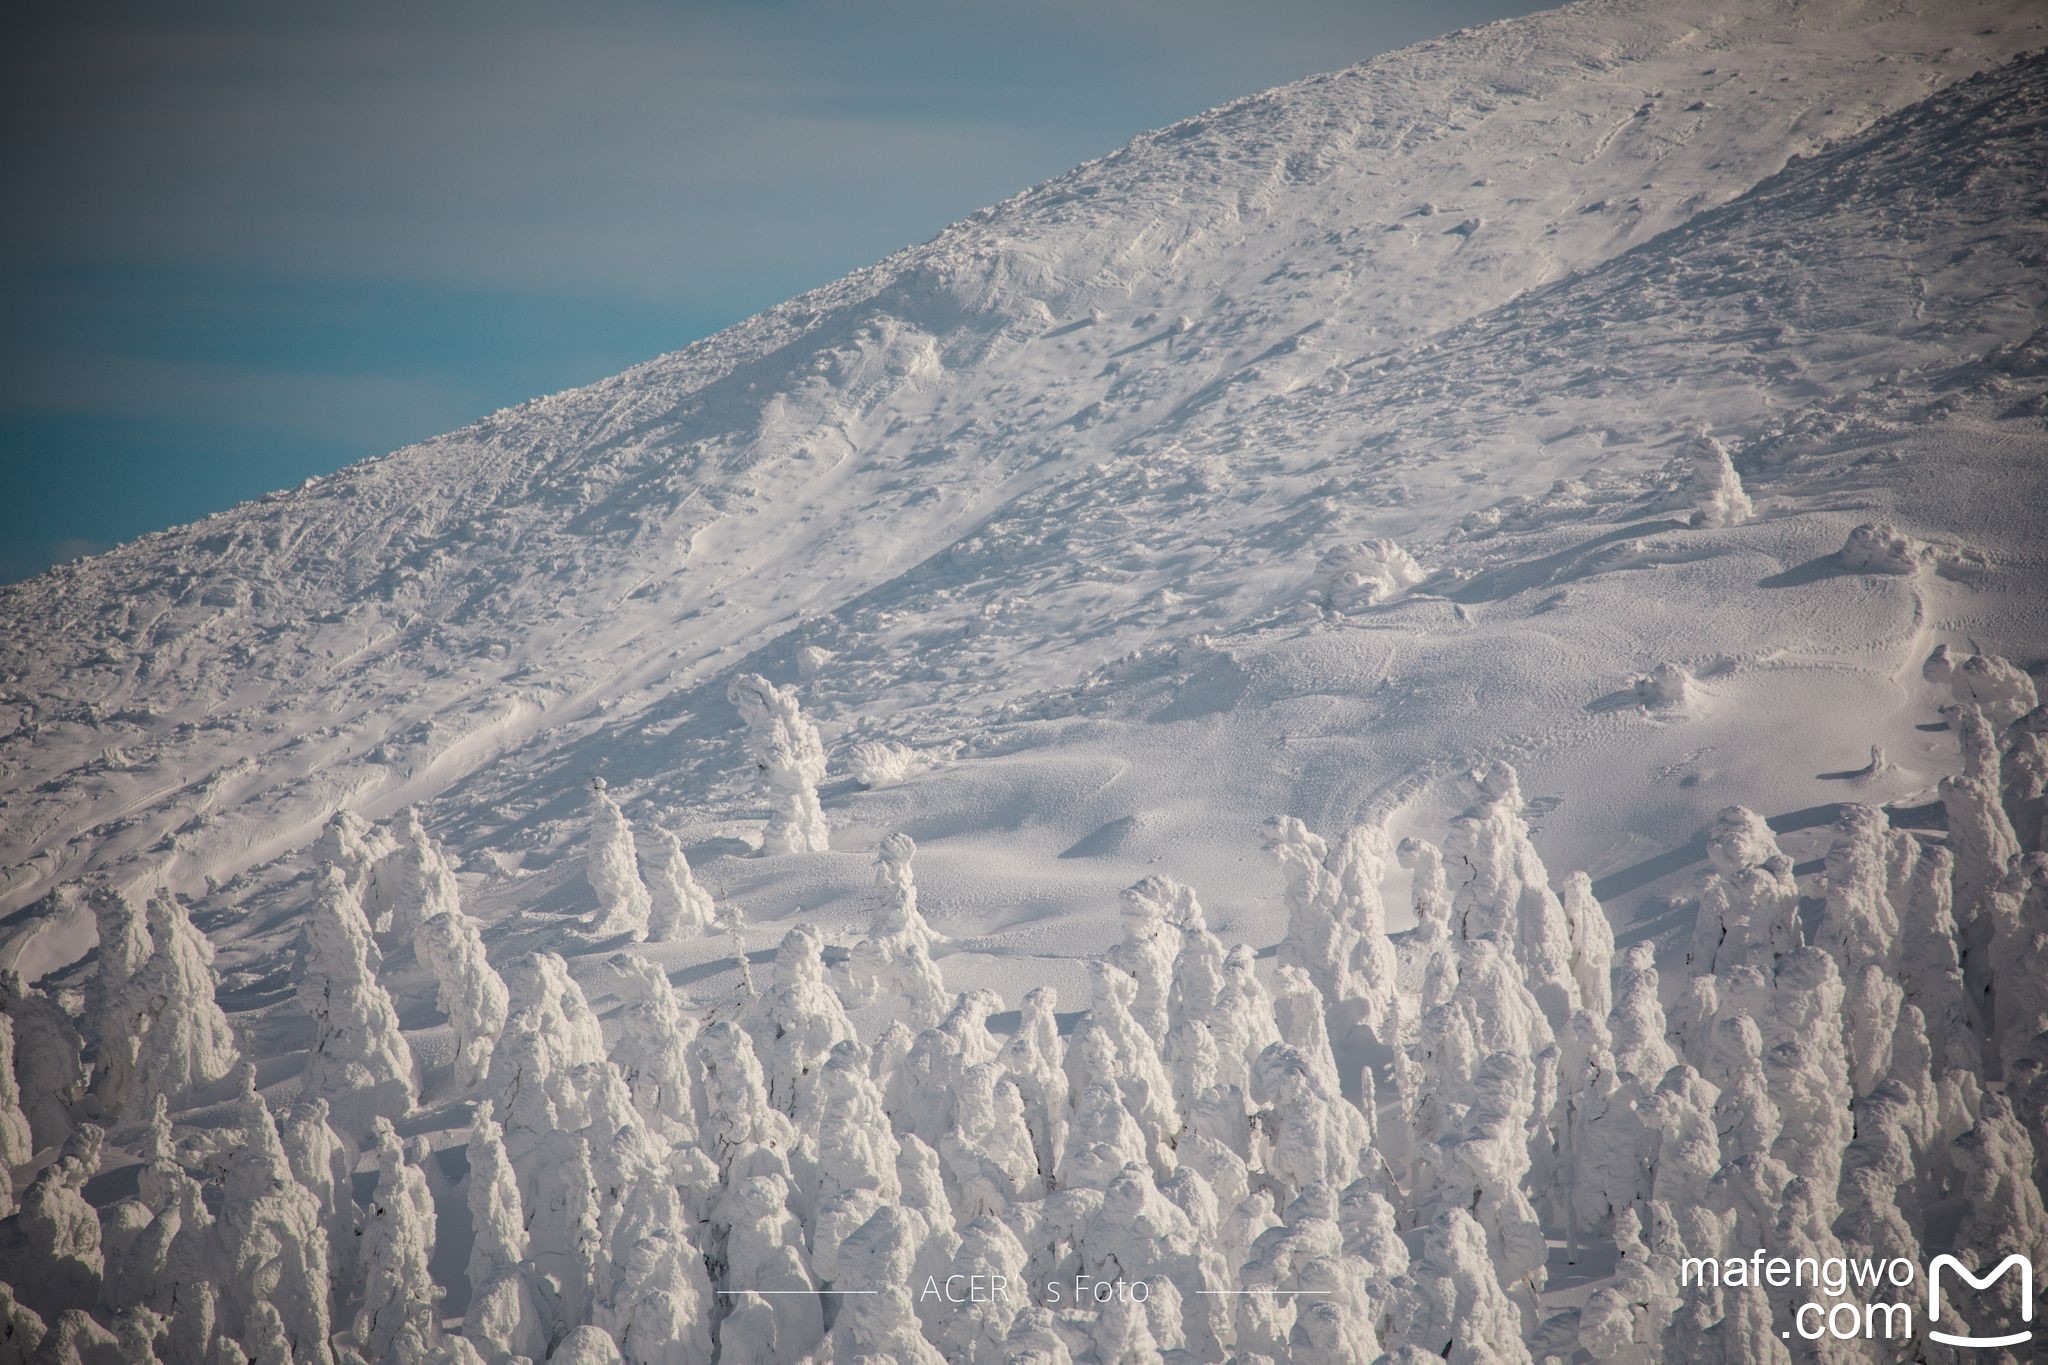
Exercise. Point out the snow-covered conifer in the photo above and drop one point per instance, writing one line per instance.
(652, 1049)
(360, 1062)
(732, 1098)
(397, 1318)
(467, 988)
(1321, 938)
(323, 1164)
(188, 1042)
(1453, 1304)
(1858, 923)
(613, 867)
(358, 848)
(2001, 1201)
(658, 1306)
(1637, 1024)
(17, 1139)
(679, 907)
(989, 1158)
(120, 1012)
(893, 963)
(586, 1345)
(1312, 1135)
(1034, 1056)
(1109, 1042)
(416, 880)
(1153, 909)
(270, 1231)
(62, 1261)
(1718, 499)
(798, 1019)
(789, 758)
(2003, 691)
(1808, 1066)
(764, 1253)
(853, 1169)
(976, 1331)
(880, 1323)
(21, 1328)
(1930, 965)
(1592, 940)
(1427, 956)
(48, 1059)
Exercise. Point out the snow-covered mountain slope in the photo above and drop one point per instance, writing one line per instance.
(1501, 459)
(1051, 490)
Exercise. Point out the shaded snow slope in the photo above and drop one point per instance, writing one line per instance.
(1051, 491)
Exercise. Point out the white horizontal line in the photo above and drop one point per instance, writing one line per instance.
(1262, 1291)
(737, 1292)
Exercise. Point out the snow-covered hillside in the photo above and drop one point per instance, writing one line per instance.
(1636, 394)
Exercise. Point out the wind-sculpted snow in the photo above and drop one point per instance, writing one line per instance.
(586, 568)
(637, 879)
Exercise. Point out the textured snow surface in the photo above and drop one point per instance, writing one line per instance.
(1636, 393)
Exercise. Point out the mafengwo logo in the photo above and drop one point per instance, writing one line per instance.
(1980, 1283)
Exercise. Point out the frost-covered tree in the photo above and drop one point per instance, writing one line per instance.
(798, 1019)
(1319, 934)
(358, 848)
(1110, 1043)
(505, 1315)
(270, 1233)
(789, 760)
(416, 880)
(1452, 1304)
(1507, 894)
(1807, 1064)
(766, 1263)
(1592, 944)
(120, 1012)
(1717, 494)
(2002, 1203)
(658, 1304)
(17, 1139)
(360, 1062)
(732, 1098)
(1034, 1056)
(586, 1345)
(853, 1170)
(1427, 956)
(62, 1261)
(989, 1159)
(679, 907)
(879, 1258)
(323, 1164)
(2000, 689)
(938, 1057)
(652, 1049)
(613, 868)
(893, 963)
(48, 1059)
(397, 1319)
(467, 988)
(188, 1042)
(1637, 1024)
(1930, 965)
(1153, 909)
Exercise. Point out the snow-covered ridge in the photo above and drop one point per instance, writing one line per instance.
(366, 641)
(637, 880)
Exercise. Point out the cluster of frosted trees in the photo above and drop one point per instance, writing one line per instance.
(1363, 1149)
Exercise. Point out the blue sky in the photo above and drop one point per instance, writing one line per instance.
(251, 242)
